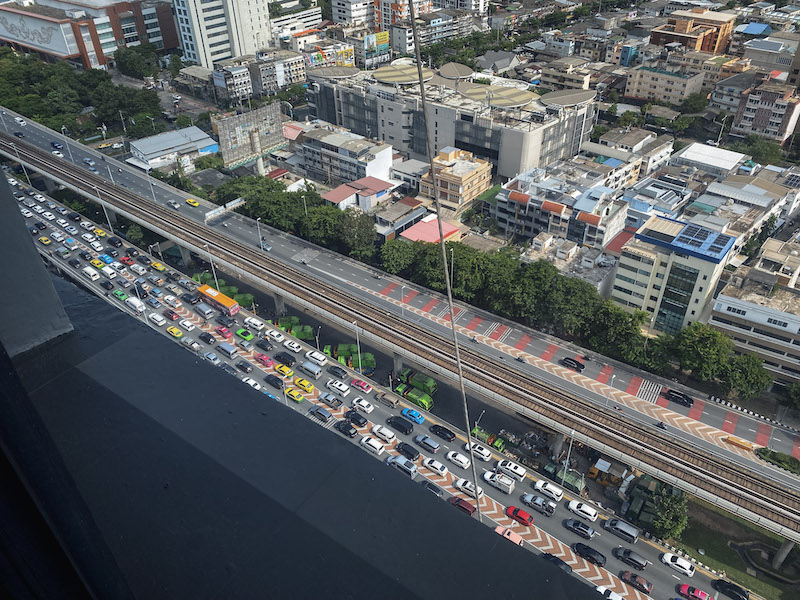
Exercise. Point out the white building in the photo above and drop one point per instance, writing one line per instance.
(334, 155)
(213, 30)
(285, 26)
(477, 7)
(353, 12)
(390, 11)
(165, 149)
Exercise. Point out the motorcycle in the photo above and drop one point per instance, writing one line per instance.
(660, 425)
(520, 359)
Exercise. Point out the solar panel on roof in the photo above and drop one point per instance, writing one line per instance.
(683, 239)
(702, 234)
(691, 230)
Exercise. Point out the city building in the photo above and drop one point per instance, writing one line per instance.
(670, 269)
(283, 27)
(459, 178)
(371, 50)
(688, 5)
(437, 26)
(658, 82)
(770, 54)
(713, 67)
(712, 160)
(353, 12)
(497, 61)
(696, 29)
(728, 93)
(214, 30)
(393, 217)
(329, 53)
(769, 109)
(654, 150)
(387, 12)
(515, 131)
(665, 196)
(590, 265)
(365, 193)
(167, 149)
(477, 7)
(409, 173)
(233, 84)
(558, 43)
(427, 230)
(567, 73)
(334, 156)
(276, 70)
(85, 35)
(760, 309)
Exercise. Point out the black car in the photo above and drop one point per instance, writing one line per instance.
(107, 285)
(337, 372)
(407, 450)
(132, 252)
(265, 345)
(226, 321)
(432, 488)
(33, 230)
(173, 276)
(207, 338)
(19, 134)
(346, 428)
(579, 527)
(680, 398)
(274, 381)
(285, 359)
(590, 554)
(731, 589)
(115, 241)
(40, 226)
(400, 424)
(244, 366)
(73, 216)
(557, 562)
(85, 255)
(190, 298)
(443, 432)
(356, 418)
(144, 260)
(228, 369)
(573, 364)
(112, 252)
(140, 292)
(74, 262)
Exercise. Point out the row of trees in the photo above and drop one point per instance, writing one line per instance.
(137, 61)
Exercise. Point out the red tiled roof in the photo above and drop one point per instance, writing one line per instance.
(553, 207)
(290, 132)
(615, 246)
(338, 194)
(409, 201)
(305, 32)
(370, 185)
(428, 231)
(277, 173)
(590, 218)
(519, 197)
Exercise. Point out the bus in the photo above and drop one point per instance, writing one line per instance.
(220, 301)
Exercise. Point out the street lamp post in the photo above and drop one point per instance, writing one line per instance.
(358, 346)
(213, 270)
(569, 453)
(66, 143)
(479, 418)
(19, 160)
(105, 212)
(2, 118)
(316, 336)
(110, 175)
(260, 239)
(150, 181)
(402, 304)
(283, 387)
(452, 266)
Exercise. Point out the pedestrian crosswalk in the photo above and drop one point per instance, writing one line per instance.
(649, 391)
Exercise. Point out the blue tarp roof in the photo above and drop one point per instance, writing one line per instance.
(754, 29)
(612, 162)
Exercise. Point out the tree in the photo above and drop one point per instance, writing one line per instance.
(613, 97)
(762, 150)
(209, 161)
(645, 108)
(584, 10)
(357, 234)
(399, 257)
(746, 375)
(681, 124)
(175, 66)
(137, 61)
(703, 350)
(612, 110)
(629, 118)
(134, 234)
(694, 103)
(598, 132)
(793, 394)
(322, 225)
(672, 514)
(184, 121)
(275, 9)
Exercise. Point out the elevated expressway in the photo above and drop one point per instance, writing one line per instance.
(742, 491)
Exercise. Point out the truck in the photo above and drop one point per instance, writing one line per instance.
(348, 355)
(572, 480)
(488, 438)
(418, 380)
(415, 396)
(502, 482)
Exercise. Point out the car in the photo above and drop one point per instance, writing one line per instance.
(362, 385)
(573, 364)
(45, 241)
(157, 319)
(115, 241)
(37, 209)
(286, 359)
(126, 260)
(49, 216)
(174, 204)
(57, 145)
(607, 593)
(519, 515)
(680, 398)
(295, 395)
(510, 535)
(229, 369)
(539, 504)
(119, 268)
(71, 230)
(62, 223)
(192, 202)
(442, 432)
(264, 359)
(157, 266)
(462, 505)
(187, 324)
(74, 262)
(57, 153)
(252, 383)
(275, 336)
(224, 332)
(360, 404)
(583, 510)
(171, 314)
(107, 285)
(20, 120)
(274, 381)
(637, 581)
(680, 564)
(97, 264)
(337, 371)
(19, 134)
(551, 558)
(400, 425)
(346, 428)
(174, 332)
(512, 469)
(121, 296)
(730, 589)
(152, 302)
(123, 283)
(132, 252)
(62, 210)
(283, 370)
(407, 450)
(372, 445)
(580, 528)
(458, 459)
(631, 558)
(412, 415)
(305, 385)
(207, 338)
(191, 299)
(338, 387)
(432, 488)
(26, 213)
(106, 259)
(465, 486)
(550, 490)
(172, 301)
(589, 554)
(356, 418)
(33, 230)
(85, 255)
(479, 451)
(40, 226)
(104, 146)
(293, 346)
(142, 259)
(96, 246)
(99, 232)
(384, 433)
(117, 145)
(244, 334)
(244, 366)
(435, 466)
(265, 345)
(212, 358)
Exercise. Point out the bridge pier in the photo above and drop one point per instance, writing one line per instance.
(558, 444)
(280, 305)
(781, 554)
(186, 256)
(397, 365)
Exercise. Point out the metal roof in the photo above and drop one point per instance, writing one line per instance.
(401, 74)
(500, 97)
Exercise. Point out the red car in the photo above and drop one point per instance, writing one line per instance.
(224, 332)
(265, 360)
(171, 314)
(362, 385)
(519, 515)
(693, 593)
(126, 260)
(636, 581)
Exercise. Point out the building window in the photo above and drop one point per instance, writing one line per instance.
(777, 323)
(737, 311)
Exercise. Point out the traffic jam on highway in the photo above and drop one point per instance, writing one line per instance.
(405, 437)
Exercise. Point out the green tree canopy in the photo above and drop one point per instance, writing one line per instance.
(672, 515)
(793, 394)
(746, 375)
(175, 66)
(137, 61)
(703, 350)
(761, 149)
(694, 103)
(357, 234)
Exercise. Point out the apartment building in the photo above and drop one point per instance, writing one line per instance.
(567, 73)
(233, 84)
(665, 196)
(387, 12)
(670, 269)
(329, 53)
(696, 29)
(760, 309)
(335, 156)
(728, 93)
(353, 12)
(654, 150)
(479, 8)
(558, 43)
(770, 54)
(714, 68)
(658, 82)
(769, 109)
(437, 26)
(284, 68)
(283, 27)
(459, 177)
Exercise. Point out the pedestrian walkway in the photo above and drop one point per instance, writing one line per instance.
(649, 391)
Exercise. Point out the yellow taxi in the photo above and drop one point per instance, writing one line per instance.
(97, 264)
(175, 332)
(283, 370)
(192, 202)
(103, 146)
(304, 385)
(99, 232)
(157, 266)
(45, 240)
(295, 395)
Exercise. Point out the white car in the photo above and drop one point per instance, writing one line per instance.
(62, 223)
(479, 451)
(583, 510)
(12, 181)
(26, 213)
(458, 459)
(97, 246)
(434, 465)
(373, 445)
(21, 121)
(187, 325)
(157, 319)
(548, 489)
(49, 216)
(384, 433)
(88, 237)
(607, 593)
(362, 405)
(680, 564)
(292, 345)
(39, 197)
(37, 209)
(87, 226)
(275, 336)
(56, 236)
(337, 386)
(172, 301)
(58, 153)
(467, 487)
(252, 383)
(512, 469)
(117, 146)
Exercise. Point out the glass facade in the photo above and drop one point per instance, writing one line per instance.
(675, 300)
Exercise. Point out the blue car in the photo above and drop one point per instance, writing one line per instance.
(56, 145)
(270, 396)
(106, 259)
(413, 416)
(156, 292)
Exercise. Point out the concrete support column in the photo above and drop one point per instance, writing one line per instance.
(781, 554)
(186, 256)
(280, 306)
(397, 366)
(112, 216)
(558, 444)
